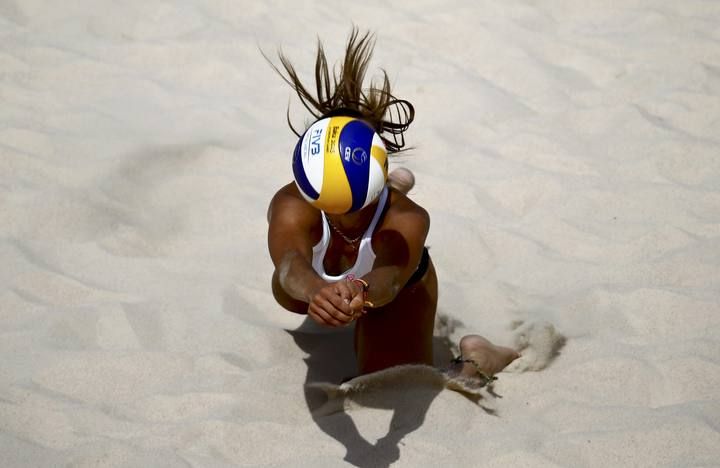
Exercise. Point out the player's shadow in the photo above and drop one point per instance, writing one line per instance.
(331, 358)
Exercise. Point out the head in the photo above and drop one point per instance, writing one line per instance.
(340, 164)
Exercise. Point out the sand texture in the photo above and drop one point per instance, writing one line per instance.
(568, 154)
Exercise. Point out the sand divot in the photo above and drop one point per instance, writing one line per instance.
(381, 388)
(538, 344)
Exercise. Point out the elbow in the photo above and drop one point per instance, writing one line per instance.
(284, 299)
(282, 270)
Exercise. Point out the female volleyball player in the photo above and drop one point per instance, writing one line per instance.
(369, 265)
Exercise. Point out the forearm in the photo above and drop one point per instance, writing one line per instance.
(297, 277)
(384, 284)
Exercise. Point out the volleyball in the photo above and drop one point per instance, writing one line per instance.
(340, 164)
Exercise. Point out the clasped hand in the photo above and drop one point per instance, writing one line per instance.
(336, 304)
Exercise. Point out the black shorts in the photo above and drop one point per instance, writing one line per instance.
(422, 268)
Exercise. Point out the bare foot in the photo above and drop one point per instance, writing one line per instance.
(402, 180)
(489, 358)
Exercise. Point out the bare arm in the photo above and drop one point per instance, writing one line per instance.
(291, 222)
(289, 241)
(398, 248)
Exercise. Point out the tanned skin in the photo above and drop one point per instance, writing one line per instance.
(400, 324)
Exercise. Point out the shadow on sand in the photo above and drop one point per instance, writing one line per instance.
(331, 358)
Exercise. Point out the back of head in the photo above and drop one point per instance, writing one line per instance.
(341, 91)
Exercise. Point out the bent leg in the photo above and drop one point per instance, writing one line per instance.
(400, 332)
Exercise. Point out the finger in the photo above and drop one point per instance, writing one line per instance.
(355, 288)
(343, 289)
(342, 305)
(330, 313)
(335, 301)
(333, 305)
(313, 314)
(324, 316)
(329, 300)
(342, 316)
(357, 304)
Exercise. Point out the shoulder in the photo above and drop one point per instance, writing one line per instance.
(400, 238)
(403, 211)
(293, 224)
(287, 200)
(404, 221)
(287, 205)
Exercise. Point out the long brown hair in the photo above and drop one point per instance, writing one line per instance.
(341, 91)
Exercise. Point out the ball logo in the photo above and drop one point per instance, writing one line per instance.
(315, 137)
(339, 164)
(358, 155)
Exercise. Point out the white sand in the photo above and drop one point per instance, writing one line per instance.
(571, 147)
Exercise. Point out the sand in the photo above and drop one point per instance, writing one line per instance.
(566, 151)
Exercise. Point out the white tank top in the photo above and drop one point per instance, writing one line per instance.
(365, 256)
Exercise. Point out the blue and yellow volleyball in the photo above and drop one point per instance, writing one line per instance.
(340, 164)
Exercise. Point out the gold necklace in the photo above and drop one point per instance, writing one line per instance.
(348, 240)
